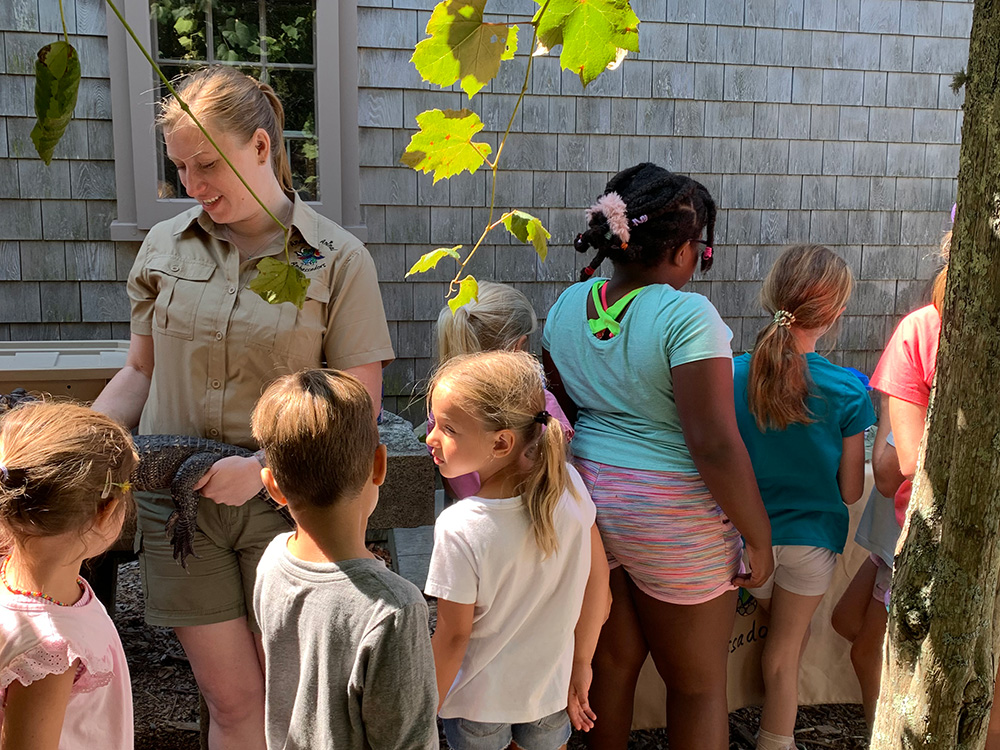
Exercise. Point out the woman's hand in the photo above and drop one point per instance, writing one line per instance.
(231, 481)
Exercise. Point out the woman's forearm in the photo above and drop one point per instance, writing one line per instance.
(124, 397)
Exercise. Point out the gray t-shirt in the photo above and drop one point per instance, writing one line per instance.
(348, 655)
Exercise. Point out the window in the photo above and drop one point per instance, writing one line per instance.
(285, 43)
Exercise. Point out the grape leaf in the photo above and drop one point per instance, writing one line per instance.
(427, 261)
(444, 143)
(468, 290)
(278, 282)
(57, 81)
(528, 228)
(591, 33)
(459, 46)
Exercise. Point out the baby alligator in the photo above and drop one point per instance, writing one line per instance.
(176, 463)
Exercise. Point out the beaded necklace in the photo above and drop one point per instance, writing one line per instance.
(34, 594)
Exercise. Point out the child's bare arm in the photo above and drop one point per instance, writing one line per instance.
(851, 473)
(34, 714)
(451, 638)
(907, 431)
(885, 463)
(593, 614)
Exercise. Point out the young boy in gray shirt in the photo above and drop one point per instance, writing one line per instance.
(348, 662)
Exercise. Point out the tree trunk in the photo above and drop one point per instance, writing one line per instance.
(937, 679)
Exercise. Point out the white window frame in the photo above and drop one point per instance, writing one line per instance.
(133, 108)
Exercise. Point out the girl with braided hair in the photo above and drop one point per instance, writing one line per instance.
(646, 370)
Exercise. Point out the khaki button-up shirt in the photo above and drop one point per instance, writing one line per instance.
(217, 344)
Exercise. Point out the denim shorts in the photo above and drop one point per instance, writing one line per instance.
(548, 733)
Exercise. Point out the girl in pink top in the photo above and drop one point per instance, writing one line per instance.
(64, 494)
(500, 319)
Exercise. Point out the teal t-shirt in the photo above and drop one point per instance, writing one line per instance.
(796, 468)
(623, 385)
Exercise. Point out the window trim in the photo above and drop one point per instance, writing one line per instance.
(337, 130)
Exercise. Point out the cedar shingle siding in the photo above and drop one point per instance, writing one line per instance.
(809, 120)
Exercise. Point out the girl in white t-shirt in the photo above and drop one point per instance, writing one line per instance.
(518, 569)
(64, 494)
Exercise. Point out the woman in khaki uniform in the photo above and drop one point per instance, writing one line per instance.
(203, 348)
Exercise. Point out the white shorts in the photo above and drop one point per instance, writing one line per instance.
(799, 569)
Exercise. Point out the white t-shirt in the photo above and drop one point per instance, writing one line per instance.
(520, 655)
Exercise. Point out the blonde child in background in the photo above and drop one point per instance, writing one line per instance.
(64, 494)
(519, 569)
(347, 650)
(501, 319)
(803, 420)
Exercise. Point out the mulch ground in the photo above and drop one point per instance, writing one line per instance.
(166, 698)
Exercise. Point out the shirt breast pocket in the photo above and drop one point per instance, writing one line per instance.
(292, 337)
(182, 284)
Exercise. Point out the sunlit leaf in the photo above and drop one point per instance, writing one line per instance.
(57, 81)
(528, 228)
(278, 282)
(468, 291)
(444, 144)
(460, 47)
(427, 261)
(591, 33)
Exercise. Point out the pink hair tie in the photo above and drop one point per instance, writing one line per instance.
(707, 252)
(612, 207)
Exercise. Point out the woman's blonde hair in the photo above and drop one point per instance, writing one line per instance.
(505, 391)
(226, 100)
(60, 466)
(494, 322)
(807, 287)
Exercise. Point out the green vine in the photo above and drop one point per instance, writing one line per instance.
(57, 80)
(463, 48)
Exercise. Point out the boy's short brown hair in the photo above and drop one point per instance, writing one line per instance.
(318, 434)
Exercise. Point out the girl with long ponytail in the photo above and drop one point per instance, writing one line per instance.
(518, 568)
(802, 419)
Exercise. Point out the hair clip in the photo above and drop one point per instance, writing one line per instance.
(783, 318)
(110, 484)
(4, 473)
(542, 417)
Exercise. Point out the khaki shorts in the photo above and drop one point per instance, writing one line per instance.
(218, 584)
(802, 570)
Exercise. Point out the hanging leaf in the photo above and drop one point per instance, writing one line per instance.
(427, 261)
(591, 33)
(57, 81)
(468, 291)
(278, 282)
(460, 47)
(444, 144)
(528, 228)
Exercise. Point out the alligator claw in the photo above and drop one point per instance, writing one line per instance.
(182, 539)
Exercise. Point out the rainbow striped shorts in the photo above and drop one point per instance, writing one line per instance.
(666, 530)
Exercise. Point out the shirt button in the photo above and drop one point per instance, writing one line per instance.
(219, 335)
(216, 384)
(213, 432)
(231, 290)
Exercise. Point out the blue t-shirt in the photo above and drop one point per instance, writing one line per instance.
(797, 467)
(623, 385)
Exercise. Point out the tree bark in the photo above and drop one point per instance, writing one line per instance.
(940, 665)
